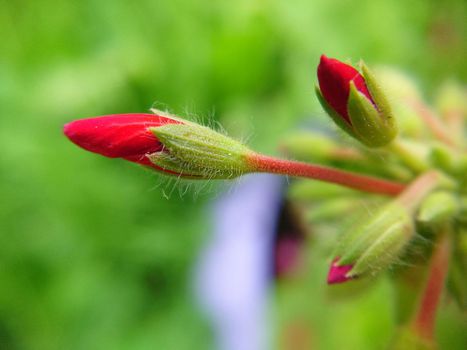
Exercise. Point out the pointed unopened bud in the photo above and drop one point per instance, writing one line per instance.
(373, 245)
(437, 208)
(355, 102)
(443, 157)
(124, 136)
(338, 273)
(163, 142)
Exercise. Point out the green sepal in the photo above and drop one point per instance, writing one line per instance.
(377, 242)
(176, 166)
(378, 96)
(368, 123)
(379, 229)
(338, 119)
(195, 150)
(384, 250)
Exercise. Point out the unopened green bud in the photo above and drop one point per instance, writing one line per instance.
(377, 243)
(373, 245)
(437, 208)
(397, 83)
(199, 152)
(441, 156)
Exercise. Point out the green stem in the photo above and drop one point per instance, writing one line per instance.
(408, 157)
(262, 163)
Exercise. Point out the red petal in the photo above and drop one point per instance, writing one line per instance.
(334, 79)
(121, 135)
(337, 273)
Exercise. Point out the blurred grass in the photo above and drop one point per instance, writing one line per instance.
(91, 254)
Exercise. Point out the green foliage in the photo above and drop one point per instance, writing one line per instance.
(91, 253)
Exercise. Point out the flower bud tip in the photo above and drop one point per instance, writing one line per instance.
(126, 136)
(355, 102)
(334, 79)
(339, 273)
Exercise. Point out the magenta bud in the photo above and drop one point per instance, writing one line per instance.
(338, 273)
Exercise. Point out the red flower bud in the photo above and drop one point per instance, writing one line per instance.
(355, 102)
(338, 273)
(334, 82)
(165, 143)
(124, 136)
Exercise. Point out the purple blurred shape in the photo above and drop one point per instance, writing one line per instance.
(235, 268)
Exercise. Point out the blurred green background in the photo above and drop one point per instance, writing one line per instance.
(92, 254)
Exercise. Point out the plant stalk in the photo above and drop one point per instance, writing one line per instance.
(266, 164)
(424, 321)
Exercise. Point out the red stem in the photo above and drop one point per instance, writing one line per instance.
(424, 321)
(262, 163)
(418, 189)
